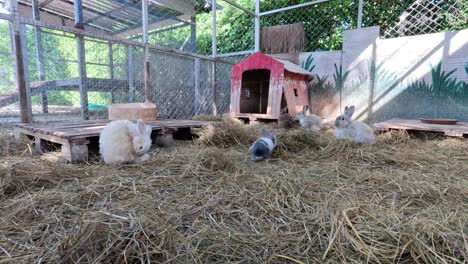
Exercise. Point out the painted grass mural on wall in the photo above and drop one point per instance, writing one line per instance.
(439, 95)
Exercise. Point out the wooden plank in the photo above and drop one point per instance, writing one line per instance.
(63, 132)
(458, 130)
(75, 151)
(47, 137)
(20, 70)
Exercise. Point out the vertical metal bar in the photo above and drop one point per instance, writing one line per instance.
(359, 18)
(111, 69)
(131, 85)
(21, 86)
(39, 55)
(193, 34)
(214, 51)
(80, 47)
(257, 25)
(213, 103)
(213, 28)
(196, 81)
(144, 11)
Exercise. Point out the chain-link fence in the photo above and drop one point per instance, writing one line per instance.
(182, 84)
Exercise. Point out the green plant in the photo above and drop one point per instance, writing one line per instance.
(307, 64)
(415, 87)
(381, 76)
(442, 84)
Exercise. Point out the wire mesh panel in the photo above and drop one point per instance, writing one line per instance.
(409, 18)
(7, 79)
(323, 22)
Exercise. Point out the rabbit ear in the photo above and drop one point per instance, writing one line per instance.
(148, 130)
(305, 108)
(265, 133)
(141, 127)
(349, 111)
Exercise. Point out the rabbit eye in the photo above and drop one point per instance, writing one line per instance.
(141, 147)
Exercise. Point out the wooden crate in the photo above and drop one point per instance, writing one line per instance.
(75, 136)
(458, 130)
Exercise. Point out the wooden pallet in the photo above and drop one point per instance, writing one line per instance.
(75, 136)
(458, 130)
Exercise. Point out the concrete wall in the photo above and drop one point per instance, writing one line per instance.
(408, 77)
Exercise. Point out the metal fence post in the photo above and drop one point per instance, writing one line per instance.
(257, 25)
(111, 69)
(196, 80)
(359, 18)
(80, 46)
(213, 63)
(39, 55)
(131, 85)
(144, 11)
(193, 34)
(21, 85)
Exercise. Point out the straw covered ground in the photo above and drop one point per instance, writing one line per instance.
(318, 200)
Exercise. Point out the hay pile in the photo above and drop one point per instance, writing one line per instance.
(317, 200)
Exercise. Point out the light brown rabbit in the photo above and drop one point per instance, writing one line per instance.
(285, 120)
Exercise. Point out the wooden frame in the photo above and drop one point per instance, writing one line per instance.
(75, 136)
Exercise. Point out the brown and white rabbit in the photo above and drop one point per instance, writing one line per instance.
(359, 132)
(123, 141)
(311, 122)
(285, 120)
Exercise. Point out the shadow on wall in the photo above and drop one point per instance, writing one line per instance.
(419, 76)
(443, 97)
(325, 95)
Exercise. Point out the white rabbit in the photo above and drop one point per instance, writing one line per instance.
(312, 122)
(123, 141)
(359, 132)
(263, 147)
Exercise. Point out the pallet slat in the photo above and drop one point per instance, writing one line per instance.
(92, 128)
(458, 130)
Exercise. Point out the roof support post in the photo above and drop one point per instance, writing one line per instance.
(39, 54)
(20, 69)
(144, 12)
(80, 46)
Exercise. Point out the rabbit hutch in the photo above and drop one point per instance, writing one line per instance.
(262, 85)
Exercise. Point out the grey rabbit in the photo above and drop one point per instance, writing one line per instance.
(263, 147)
